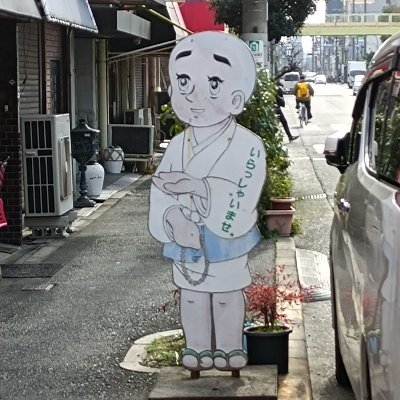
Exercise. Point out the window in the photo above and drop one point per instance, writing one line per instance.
(384, 140)
(354, 148)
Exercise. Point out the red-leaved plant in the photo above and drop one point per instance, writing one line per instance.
(270, 294)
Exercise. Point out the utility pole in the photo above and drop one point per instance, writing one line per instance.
(255, 29)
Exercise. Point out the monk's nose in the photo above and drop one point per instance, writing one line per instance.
(189, 96)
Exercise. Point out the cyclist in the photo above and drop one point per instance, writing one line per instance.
(280, 102)
(303, 92)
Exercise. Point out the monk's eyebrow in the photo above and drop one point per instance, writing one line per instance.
(183, 54)
(222, 59)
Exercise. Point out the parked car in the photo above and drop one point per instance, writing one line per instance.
(358, 79)
(310, 76)
(365, 234)
(289, 80)
(320, 79)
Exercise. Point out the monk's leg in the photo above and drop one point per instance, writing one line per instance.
(229, 312)
(196, 323)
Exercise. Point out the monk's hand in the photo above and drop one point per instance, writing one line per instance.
(184, 231)
(180, 183)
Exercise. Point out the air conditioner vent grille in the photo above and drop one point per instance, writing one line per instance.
(47, 164)
(38, 135)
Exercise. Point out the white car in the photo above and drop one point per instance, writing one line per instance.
(358, 79)
(310, 76)
(365, 234)
(289, 80)
(320, 79)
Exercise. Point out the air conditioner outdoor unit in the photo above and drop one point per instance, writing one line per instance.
(136, 141)
(47, 164)
(140, 116)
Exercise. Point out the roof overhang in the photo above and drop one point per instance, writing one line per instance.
(128, 3)
(20, 8)
(114, 23)
(74, 13)
(162, 30)
(177, 20)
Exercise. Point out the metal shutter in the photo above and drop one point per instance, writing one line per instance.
(139, 81)
(28, 68)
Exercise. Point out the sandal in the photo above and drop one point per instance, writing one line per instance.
(234, 360)
(220, 360)
(194, 361)
(206, 359)
(237, 359)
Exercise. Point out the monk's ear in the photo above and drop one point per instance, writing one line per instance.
(238, 100)
(169, 91)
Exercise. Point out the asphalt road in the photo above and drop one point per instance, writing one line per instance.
(314, 185)
(68, 342)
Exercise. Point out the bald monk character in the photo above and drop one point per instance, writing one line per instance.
(204, 196)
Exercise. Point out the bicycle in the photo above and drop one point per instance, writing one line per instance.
(303, 116)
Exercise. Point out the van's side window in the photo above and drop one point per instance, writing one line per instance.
(380, 100)
(384, 146)
(354, 148)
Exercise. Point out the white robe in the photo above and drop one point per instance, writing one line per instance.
(232, 165)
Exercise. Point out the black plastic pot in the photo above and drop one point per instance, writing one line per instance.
(268, 348)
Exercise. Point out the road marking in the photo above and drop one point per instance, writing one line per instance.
(319, 148)
(314, 272)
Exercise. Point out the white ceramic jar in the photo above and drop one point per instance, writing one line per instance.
(94, 179)
(113, 159)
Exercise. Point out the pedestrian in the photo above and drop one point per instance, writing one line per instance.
(204, 196)
(303, 92)
(280, 102)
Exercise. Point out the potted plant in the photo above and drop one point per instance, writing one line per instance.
(281, 189)
(267, 299)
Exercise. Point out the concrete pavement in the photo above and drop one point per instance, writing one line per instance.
(294, 385)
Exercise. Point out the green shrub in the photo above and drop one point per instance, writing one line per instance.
(259, 116)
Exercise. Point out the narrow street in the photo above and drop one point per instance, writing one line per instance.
(314, 185)
(67, 342)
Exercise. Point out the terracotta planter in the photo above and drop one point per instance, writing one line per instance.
(282, 203)
(271, 348)
(280, 221)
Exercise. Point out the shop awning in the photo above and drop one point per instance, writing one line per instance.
(128, 3)
(24, 8)
(175, 15)
(74, 13)
(163, 34)
(199, 16)
(114, 23)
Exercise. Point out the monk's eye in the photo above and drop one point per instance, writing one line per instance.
(215, 84)
(185, 84)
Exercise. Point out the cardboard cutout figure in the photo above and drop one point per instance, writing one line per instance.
(205, 193)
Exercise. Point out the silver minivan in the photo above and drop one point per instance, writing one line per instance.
(365, 235)
(289, 80)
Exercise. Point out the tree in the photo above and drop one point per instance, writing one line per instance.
(286, 17)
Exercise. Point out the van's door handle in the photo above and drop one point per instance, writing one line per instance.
(343, 205)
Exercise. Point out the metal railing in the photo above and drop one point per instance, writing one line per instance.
(354, 24)
(349, 19)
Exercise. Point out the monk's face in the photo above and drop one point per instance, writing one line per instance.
(204, 80)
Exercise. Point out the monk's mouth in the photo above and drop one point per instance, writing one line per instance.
(197, 110)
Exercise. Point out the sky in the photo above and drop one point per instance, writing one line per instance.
(317, 17)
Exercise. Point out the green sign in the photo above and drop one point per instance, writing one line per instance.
(257, 48)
